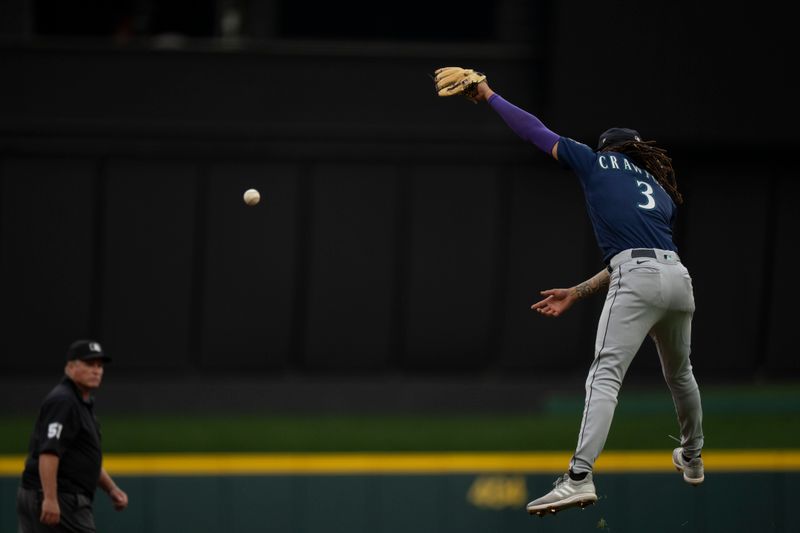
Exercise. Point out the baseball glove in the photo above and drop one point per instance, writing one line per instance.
(450, 81)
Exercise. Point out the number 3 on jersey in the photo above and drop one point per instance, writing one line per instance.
(648, 192)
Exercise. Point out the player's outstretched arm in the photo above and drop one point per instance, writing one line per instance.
(450, 81)
(558, 301)
(527, 126)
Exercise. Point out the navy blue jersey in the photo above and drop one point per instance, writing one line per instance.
(627, 206)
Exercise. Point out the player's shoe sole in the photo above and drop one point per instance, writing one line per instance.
(566, 493)
(578, 500)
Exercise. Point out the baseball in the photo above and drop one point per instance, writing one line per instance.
(251, 197)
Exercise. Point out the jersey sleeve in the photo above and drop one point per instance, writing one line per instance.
(576, 156)
(59, 426)
(524, 124)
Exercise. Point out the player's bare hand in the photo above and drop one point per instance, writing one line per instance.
(51, 512)
(118, 499)
(555, 303)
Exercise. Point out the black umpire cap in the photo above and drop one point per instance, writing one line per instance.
(86, 350)
(617, 135)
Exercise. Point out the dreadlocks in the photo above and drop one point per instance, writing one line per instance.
(655, 160)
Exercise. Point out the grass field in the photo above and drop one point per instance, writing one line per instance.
(735, 418)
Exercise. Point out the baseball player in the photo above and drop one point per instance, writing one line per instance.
(631, 196)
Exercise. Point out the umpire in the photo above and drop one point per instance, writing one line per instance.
(64, 463)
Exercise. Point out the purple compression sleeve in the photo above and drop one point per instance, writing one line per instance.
(524, 124)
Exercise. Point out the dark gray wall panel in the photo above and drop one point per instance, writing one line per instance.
(782, 318)
(672, 72)
(365, 266)
(352, 268)
(203, 93)
(250, 270)
(46, 233)
(551, 245)
(452, 267)
(149, 244)
(726, 214)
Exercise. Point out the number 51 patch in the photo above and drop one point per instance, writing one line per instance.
(54, 430)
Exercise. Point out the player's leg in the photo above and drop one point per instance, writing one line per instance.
(673, 335)
(627, 317)
(672, 338)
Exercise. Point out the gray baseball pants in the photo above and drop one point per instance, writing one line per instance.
(646, 296)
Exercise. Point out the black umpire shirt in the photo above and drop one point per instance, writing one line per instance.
(66, 427)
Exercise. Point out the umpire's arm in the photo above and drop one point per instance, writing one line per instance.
(48, 474)
(118, 497)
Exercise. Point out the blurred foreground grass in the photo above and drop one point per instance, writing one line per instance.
(734, 418)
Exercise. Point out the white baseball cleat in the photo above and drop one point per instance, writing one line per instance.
(566, 493)
(693, 473)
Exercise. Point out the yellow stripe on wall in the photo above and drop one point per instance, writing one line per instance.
(438, 463)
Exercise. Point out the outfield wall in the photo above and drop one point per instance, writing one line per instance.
(437, 493)
(762, 502)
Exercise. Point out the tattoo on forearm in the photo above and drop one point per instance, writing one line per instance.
(583, 290)
(592, 286)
